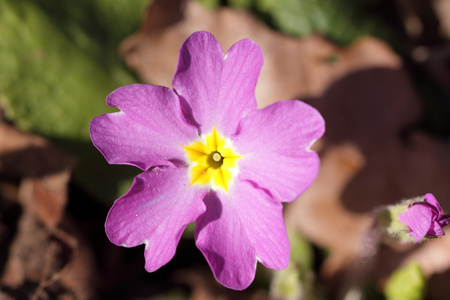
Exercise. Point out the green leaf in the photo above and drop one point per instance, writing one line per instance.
(211, 4)
(58, 63)
(342, 21)
(286, 284)
(301, 250)
(295, 282)
(407, 283)
(241, 4)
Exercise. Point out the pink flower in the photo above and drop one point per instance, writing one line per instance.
(209, 156)
(425, 218)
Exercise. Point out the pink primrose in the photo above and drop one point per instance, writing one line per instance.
(425, 218)
(209, 156)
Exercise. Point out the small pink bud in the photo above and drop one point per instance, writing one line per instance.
(425, 218)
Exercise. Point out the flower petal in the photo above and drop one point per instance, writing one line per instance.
(445, 219)
(239, 228)
(419, 218)
(147, 132)
(218, 89)
(435, 229)
(274, 144)
(433, 202)
(155, 212)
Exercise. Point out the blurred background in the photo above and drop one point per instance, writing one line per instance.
(377, 70)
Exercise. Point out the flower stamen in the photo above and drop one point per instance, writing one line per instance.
(216, 156)
(212, 161)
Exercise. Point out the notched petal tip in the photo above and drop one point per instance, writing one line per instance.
(146, 132)
(115, 96)
(274, 143)
(218, 88)
(246, 49)
(155, 212)
(128, 93)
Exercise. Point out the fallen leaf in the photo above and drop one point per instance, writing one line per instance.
(45, 258)
(293, 67)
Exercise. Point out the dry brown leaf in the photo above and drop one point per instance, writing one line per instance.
(319, 213)
(45, 259)
(442, 11)
(428, 27)
(292, 67)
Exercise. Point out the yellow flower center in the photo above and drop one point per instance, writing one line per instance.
(212, 161)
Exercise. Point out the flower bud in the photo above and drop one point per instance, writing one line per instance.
(413, 219)
(425, 218)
